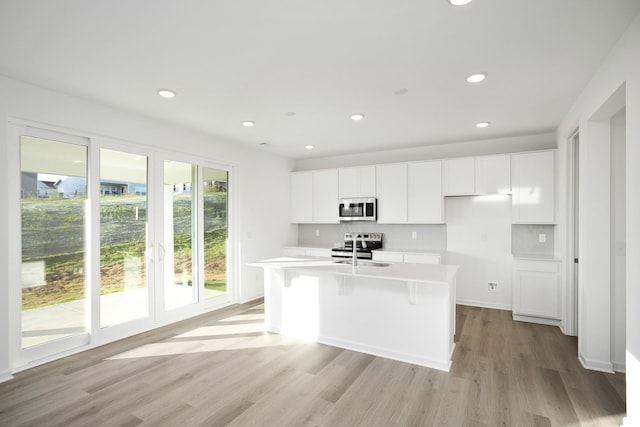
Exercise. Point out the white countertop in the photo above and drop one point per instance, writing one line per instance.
(406, 272)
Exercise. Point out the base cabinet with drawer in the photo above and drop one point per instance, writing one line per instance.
(408, 257)
(536, 291)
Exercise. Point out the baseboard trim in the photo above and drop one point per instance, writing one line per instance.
(5, 376)
(620, 367)
(595, 365)
(484, 304)
(540, 320)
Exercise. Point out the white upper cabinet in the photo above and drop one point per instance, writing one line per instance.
(357, 182)
(477, 175)
(424, 190)
(325, 196)
(533, 184)
(392, 193)
(301, 199)
(493, 174)
(459, 176)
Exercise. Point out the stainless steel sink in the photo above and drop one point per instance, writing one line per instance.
(364, 263)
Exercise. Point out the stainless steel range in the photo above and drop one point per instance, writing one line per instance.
(366, 243)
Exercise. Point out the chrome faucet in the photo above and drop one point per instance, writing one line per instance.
(354, 261)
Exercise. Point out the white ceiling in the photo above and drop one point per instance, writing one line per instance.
(237, 60)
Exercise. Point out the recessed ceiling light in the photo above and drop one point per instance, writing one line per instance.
(357, 117)
(482, 124)
(166, 93)
(248, 123)
(476, 77)
(459, 2)
(263, 143)
(78, 161)
(402, 91)
(309, 147)
(290, 113)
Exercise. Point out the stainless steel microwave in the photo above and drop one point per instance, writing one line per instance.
(358, 209)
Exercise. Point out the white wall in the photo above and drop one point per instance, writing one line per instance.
(261, 189)
(479, 238)
(461, 149)
(620, 70)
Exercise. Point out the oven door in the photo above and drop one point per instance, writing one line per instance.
(357, 209)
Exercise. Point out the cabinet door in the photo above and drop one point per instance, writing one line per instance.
(392, 193)
(459, 176)
(357, 182)
(421, 258)
(425, 201)
(493, 174)
(325, 196)
(536, 294)
(533, 184)
(301, 201)
(387, 256)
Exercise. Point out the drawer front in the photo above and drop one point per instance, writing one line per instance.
(537, 266)
(422, 258)
(387, 256)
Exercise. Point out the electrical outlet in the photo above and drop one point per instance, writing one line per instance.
(414, 235)
(317, 233)
(542, 238)
(492, 287)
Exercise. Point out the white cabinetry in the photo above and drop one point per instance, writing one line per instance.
(424, 191)
(301, 199)
(325, 196)
(314, 197)
(536, 291)
(392, 193)
(533, 182)
(357, 182)
(493, 174)
(477, 175)
(459, 176)
(408, 257)
(306, 251)
(410, 193)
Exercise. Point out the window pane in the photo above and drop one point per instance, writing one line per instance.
(215, 231)
(54, 191)
(123, 237)
(179, 211)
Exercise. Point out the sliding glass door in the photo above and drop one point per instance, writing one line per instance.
(124, 291)
(215, 200)
(53, 195)
(112, 240)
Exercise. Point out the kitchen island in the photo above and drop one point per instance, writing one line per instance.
(400, 311)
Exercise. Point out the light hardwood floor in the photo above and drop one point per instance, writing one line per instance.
(220, 369)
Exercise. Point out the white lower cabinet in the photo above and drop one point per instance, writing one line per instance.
(306, 251)
(409, 257)
(536, 291)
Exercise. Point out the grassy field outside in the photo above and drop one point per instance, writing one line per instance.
(53, 234)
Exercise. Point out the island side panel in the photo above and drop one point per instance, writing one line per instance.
(374, 316)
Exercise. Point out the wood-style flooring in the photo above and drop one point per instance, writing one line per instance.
(220, 369)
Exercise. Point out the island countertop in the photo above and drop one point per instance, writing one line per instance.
(405, 272)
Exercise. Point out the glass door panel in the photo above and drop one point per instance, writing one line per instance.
(215, 207)
(53, 196)
(179, 234)
(124, 292)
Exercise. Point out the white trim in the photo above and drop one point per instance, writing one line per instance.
(5, 376)
(539, 320)
(595, 365)
(619, 367)
(484, 304)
